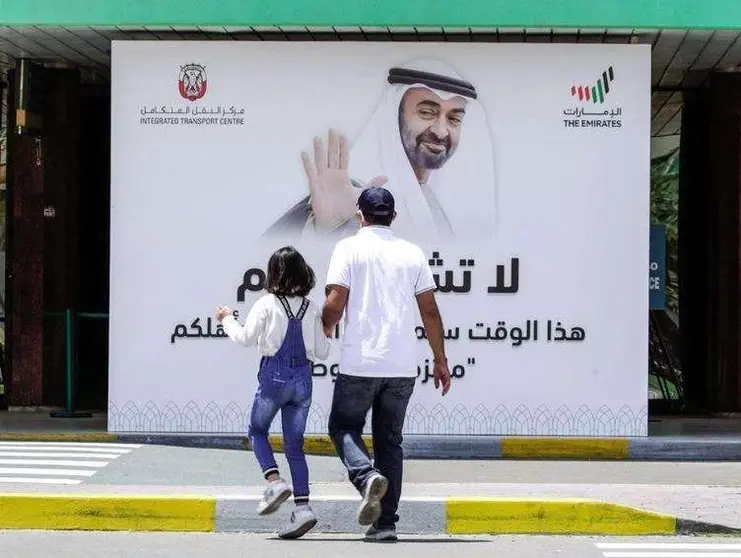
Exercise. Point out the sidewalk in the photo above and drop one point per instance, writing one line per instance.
(670, 439)
(425, 509)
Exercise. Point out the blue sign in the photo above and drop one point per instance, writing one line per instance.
(657, 268)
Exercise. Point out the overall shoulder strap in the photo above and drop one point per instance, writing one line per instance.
(286, 306)
(302, 310)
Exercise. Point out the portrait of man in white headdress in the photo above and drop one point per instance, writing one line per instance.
(428, 142)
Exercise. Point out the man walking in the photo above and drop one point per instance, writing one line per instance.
(379, 282)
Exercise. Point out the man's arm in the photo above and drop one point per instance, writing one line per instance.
(433, 324)
(337, 289)
(334, 307)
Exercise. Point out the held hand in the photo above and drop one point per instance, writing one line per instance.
(441, 375)
(222, 312)
(333, 197)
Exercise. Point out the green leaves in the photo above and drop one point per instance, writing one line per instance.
(665, 211)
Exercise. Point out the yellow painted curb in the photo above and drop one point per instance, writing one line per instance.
(57, 437)
(477, 516)
(315, 445)
(107, 513)
(577, 448)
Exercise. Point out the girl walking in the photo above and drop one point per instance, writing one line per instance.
(288, 333)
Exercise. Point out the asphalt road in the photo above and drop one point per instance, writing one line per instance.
(41, 544)
(166, 465)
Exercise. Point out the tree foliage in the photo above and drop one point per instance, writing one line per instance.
(664, 211)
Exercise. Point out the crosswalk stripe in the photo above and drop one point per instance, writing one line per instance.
(46, 472)
(73, 444)
(669, 546)
(68, 450)
(670, 550)
(63, 463)
(25, 480)
(55, 462)
(60, 454)
(662, 554)
(74, 449)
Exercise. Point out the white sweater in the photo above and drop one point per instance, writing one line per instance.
(266, 325)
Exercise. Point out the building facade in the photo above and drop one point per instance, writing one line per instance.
(55, 153)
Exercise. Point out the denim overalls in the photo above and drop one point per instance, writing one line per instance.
(284, 383)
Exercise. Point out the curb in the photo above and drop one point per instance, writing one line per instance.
(452, 516)
(659, 448)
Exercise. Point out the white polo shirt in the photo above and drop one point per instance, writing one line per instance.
(384, 274)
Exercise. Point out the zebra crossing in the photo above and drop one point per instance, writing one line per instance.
(670, 550)
(65, 463)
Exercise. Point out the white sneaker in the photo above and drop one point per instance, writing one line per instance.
(380, 535)
(302, 521)
(370, 508)
(275, 494)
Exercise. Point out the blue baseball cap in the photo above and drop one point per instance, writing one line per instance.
(376, 201)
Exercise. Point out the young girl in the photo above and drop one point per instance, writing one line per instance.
(288, 333)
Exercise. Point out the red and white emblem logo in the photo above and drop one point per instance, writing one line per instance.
(192, 82)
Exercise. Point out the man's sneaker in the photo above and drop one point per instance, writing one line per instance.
(383, 534)
(370, 508)
(275, 494)
(302, 521)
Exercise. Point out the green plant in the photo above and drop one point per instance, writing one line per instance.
(664, 211)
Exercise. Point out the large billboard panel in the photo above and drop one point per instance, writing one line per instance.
(521, 169)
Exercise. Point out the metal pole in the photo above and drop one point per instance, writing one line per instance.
(69, 346)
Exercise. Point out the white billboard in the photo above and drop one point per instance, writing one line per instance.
(534, 213)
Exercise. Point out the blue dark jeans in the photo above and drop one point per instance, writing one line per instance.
(353, 397)
(288, 391)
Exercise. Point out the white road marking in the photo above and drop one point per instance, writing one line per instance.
(670, 550)
(60, 454)
(662, 554)
(62, 447)
(73, 444)
(32, 480)
(669, 546)
(53, 462)
(43, 462)
(46, 472)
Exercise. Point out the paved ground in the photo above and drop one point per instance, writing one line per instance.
(122, 464)
(670, 439)
(708, 492)
(40, 544)
(195, 466)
